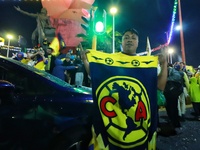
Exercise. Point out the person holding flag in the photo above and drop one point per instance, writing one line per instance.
(54, 50)
(124, 89)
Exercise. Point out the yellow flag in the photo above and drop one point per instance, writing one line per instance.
(55, 46)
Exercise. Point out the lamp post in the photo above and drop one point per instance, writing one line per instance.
(9, 38)
(181, 32)
(170, 52)
(113, 11)
(167, 44)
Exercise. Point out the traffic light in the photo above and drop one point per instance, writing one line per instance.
(87, 24)
(86, 27)
(99, 22)
(87, 33)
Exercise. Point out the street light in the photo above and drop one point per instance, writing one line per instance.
(178, 27)
(113, 11)
(170, 52)
(9, 38)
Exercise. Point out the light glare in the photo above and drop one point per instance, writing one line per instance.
(113, 10)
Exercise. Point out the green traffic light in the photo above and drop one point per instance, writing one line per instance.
(99, 22)
(99, 27)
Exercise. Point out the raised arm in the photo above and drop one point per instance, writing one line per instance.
(84, 59)
(162, 77)
(24, 12)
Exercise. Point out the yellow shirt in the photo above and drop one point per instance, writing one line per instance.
(40, 65)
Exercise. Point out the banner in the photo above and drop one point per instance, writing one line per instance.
(124, 92)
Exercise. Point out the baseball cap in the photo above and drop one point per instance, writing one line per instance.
(132, 30)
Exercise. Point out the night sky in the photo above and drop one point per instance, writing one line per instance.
(151, 18)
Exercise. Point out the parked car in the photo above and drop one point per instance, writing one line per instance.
(38, 111)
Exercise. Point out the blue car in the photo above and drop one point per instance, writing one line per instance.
(38, 111)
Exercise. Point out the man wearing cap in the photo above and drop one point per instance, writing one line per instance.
(119, 83)
(130, 42)
(22, 57)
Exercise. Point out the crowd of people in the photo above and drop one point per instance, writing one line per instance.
(175, 82)
(68, 67)
(182, 87)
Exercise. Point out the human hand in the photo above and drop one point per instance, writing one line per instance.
(28, 56)
(162, 57)
(41, 53)
(84, 58)
(83, 53)
(14, 55)
(17, 8)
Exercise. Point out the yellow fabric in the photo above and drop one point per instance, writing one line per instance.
(40, 65)
(25, 61)
(55, 46)
(191, 69)
(97, 142)
(140, 61)
(152, 143)
(197, 75)
(2, 41)
(194, 90)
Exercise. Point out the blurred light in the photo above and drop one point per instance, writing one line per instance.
(172, 22)
(170, 51)
(9, 36)
(178, 27)
(99, 22)
(113, 10)
(99, 27)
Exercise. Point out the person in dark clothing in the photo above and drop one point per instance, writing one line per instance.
(180, 66)
(59, 69)
(79, 74)
(51, 59)
(174, 82)
(70, 74)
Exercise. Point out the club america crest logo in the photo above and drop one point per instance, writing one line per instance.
(125, 109)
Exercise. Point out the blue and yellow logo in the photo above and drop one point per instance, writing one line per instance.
(125, 109)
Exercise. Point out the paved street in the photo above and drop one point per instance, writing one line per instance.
(189, 139)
